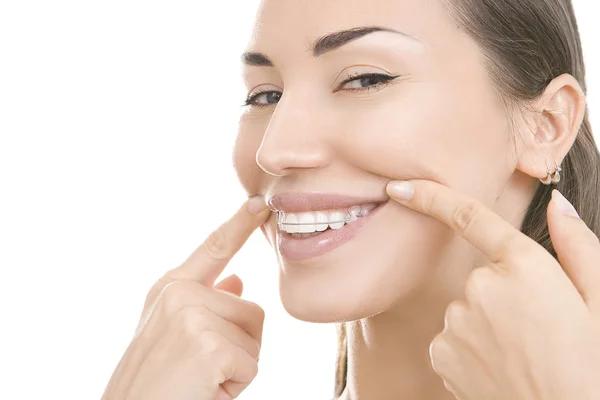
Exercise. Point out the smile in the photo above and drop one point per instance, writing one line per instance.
(306, 224)
(309, 225)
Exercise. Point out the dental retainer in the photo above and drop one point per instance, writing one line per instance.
(353, 213)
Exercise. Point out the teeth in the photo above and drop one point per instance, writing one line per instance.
(318, 221)
(322, 219)
(354, 212)
(290, 223)
(307, 222)
(337, 216)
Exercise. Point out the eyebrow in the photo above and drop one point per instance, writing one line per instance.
(325, 43)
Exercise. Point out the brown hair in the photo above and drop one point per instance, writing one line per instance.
(526, 44)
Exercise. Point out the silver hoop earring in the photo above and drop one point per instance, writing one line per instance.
(552, 177)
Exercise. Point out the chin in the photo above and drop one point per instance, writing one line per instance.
(338, 302)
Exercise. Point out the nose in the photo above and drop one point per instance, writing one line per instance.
(295, 138)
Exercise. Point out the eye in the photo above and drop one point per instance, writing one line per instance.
(354, 83)
(366, 81)
(263, 98)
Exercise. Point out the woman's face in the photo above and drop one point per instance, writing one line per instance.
(314, 130)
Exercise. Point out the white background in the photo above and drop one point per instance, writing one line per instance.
(117, 120)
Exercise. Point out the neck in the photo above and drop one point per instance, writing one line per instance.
(405, 372)
(388, 353)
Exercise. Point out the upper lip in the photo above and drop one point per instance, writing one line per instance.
(305, 202)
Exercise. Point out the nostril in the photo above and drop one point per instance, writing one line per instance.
(271, 167)
(280, 156)
(272, 160)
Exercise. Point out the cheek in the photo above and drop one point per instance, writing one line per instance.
(248, 140)
(429, 133)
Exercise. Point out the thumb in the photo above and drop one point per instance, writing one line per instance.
(577, 248)
(232, 284)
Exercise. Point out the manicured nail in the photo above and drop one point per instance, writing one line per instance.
(401, 190)
(563, 204)
(256, 204)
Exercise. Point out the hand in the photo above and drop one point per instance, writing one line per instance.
(196, 341)
(529, 328)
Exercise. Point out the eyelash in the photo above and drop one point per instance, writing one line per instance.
(384, 81)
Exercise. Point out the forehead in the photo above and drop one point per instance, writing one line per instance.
(296, 23)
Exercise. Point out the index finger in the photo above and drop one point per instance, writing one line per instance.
(207, 262)
(486, 230)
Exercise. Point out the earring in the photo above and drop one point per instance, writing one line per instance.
(552, 177)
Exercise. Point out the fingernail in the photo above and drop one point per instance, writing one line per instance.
(256, 204)
(401, 190)
(563, 204)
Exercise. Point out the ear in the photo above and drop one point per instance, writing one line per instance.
(556, 118)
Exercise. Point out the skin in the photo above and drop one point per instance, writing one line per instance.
(512, 337)
(196, 340)
(441, 120)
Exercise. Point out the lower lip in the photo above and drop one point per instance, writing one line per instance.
(299, 249)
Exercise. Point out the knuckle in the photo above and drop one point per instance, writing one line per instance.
(478, 284)
(236, 363)
(217, 245)
(454, 318)
(173, 297)
(464, 215)
(252, 370)
(150, 297)
(428, 203)
(516, 247)
(438, 347)
(209, 344)
(155, 291)
(440, 353)
(257, 311)
(192, 320)
(257, 347)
